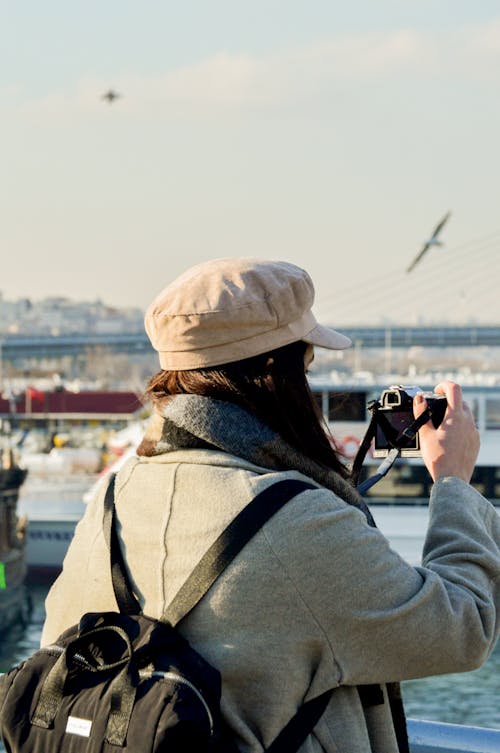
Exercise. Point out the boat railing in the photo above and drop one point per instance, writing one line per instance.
(438, 737)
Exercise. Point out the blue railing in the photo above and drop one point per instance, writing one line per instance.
(436, 737)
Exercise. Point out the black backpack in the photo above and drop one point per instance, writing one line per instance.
(123, 680)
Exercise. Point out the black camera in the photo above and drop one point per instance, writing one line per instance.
(394, 414)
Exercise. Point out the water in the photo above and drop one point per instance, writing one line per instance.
(472, 698)
(21, 641)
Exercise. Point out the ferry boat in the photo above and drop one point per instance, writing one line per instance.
(61, 437)
(53, 506)
(14, 600)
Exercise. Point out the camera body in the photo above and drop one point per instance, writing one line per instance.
(394, 413)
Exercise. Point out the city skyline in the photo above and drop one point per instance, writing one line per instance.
(334, 137)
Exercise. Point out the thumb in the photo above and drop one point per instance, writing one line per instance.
(419, 404)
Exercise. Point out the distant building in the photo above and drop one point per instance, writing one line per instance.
(57, 315)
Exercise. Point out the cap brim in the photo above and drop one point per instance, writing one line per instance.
(324, 337)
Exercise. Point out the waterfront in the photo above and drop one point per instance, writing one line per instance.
(470, 698)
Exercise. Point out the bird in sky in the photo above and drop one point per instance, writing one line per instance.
(432, 241)
(110, 96)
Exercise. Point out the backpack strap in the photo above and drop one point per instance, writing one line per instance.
(124, 593)
(301, 725)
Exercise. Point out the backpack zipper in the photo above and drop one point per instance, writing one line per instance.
(174, 677)
(56, 650)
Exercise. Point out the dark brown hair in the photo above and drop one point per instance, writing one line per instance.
(273, 386)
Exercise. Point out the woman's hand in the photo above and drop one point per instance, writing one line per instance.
(452, 448)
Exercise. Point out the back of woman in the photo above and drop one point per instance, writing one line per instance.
(317, 600)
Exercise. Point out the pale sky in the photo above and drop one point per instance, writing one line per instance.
(333, 135)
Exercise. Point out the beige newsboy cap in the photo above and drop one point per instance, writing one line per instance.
(228, 309)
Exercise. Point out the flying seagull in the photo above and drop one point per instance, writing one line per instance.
(110, 96)
(432, 241)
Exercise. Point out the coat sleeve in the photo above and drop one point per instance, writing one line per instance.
(384, 619)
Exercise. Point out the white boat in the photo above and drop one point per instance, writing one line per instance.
(53, 507)
(52, 497)
(58, 487)
(61, 435)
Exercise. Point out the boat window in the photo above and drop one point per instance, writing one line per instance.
(347, 406)
(493, 413)
(486, 479)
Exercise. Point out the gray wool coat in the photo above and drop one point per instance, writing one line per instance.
(316, 600)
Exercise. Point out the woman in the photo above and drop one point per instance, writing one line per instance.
(317, 599)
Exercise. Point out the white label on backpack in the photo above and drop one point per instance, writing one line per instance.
(76, 726)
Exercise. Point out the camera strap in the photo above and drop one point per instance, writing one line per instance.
(365, 442)
(397, 443)
(409, 434)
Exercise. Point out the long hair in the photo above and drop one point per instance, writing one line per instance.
(273, 386)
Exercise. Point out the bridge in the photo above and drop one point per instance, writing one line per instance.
(15, 348)
(429, 337)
